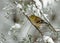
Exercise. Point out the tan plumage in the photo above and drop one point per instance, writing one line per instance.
(37, 21)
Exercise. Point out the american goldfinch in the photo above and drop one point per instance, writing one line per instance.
(37, 21)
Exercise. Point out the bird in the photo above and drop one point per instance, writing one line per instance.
(37, 21)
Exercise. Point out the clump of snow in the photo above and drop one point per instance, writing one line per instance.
(48, 39)
(17, 26)
(38, 4)
(47, 2)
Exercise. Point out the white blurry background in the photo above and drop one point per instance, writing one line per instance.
(51, 10)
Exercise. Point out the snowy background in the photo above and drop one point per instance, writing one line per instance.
(20, 32)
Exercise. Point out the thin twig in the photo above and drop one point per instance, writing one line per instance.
(33, 24)
(48, 22)
(50, 26)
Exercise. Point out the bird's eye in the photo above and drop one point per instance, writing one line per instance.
(37, 21)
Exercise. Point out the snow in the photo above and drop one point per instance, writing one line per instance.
(48, 39)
